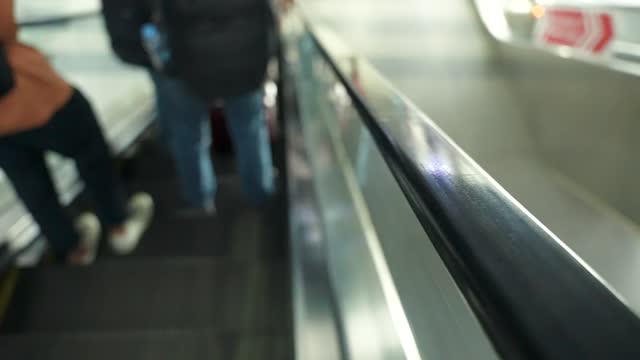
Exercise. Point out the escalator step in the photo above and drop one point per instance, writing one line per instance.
(237, 230)
(145, 345)
(153, 293)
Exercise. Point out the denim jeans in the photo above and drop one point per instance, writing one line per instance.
(73, 132)
(185, 127)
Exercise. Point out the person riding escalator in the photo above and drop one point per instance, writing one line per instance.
(199, 55)
(39, 112)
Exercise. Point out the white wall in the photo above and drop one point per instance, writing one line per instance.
(35, 9)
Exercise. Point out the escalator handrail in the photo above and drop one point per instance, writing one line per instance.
(535, 298)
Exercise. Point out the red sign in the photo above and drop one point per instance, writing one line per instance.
(605, 21)
(589, 31)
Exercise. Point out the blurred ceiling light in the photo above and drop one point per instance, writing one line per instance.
(538, 11)
(519, 6)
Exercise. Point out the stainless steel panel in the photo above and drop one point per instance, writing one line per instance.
(559, 135)
(365, 317)
(396, 298)
(317, 331)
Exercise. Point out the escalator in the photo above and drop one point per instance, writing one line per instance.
(428, 255)
(392, 236)
(194, 289)
(559, 133)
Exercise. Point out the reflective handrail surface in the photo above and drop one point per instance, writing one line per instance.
(534, 296)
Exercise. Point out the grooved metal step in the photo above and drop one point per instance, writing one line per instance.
(145, 345)
(152, 293)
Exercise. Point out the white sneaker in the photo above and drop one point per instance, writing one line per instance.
(140, 215)
(89, 229)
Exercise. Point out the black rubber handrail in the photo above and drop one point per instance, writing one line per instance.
(534, 298)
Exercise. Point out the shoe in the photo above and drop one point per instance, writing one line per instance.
(88, 227)
(123, 242)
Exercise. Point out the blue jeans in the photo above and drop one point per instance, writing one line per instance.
(185, 127)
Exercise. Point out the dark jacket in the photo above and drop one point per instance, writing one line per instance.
(219, 47)
(123, 20)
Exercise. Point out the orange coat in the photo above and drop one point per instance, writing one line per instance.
(38, 92)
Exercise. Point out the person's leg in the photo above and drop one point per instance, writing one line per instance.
(184, 122)
(250, 135)
(75, 133)
(26, 169)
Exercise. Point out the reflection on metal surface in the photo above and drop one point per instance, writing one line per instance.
(366, 318)
(315, 318)
(316, 330)
(378, 264)
(560, 136)
(396, 309)
(459, 202)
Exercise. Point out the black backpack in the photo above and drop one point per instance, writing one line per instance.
(123, 20)
(7, 82)
(219, 48)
